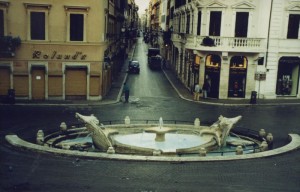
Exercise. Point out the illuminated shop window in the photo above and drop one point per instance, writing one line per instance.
(288, 76)
(237, 76)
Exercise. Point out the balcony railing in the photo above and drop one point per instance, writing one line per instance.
(223, 43)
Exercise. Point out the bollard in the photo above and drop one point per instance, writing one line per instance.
(127, 120)
(40, 133)
(269, 138)
(263, 146)
(63, 126)
(156, 152)
(197, 123)
(65, 146)
(111, 150)
(40, 137)
(202, 152)
(40, 140)
(262, 133)
(239, 150)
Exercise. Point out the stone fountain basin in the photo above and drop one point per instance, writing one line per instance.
(136, 139)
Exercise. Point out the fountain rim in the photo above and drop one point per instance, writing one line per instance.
(17, 142)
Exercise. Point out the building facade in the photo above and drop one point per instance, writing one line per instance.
(62, 51)
(67, 49)
(238, 46)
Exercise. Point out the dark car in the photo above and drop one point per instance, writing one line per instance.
(134, 67)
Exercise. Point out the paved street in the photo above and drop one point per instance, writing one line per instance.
(22, 170)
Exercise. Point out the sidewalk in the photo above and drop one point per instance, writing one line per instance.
(115, 93)
(185, 94)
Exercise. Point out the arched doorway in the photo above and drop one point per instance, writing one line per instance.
(212, 74)
(237, 76)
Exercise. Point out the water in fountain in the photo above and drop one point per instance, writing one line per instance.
(161, 123)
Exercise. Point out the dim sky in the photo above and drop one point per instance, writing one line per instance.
(143, 4)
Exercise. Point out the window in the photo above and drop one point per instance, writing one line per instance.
(172, 13)
(293, 26)
(76, 27)
(187, 24)
(37, 26)
(241, 24)
(37, 20)
(199, 23)
(1, 22)
(215, 23)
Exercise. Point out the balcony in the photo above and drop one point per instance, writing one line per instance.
(229, 44)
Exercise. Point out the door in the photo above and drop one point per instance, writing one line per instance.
(212, 74)
(4, 80)
(76, 83)
(38, 83)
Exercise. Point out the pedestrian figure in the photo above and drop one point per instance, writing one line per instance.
(205, 88)
(197, 92)
(126, 91)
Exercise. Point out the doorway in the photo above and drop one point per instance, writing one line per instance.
(212, 74)
(38, 82)
(237, 77)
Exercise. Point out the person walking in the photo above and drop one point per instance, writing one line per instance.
(205, 88)
(126, 91)
(197, 92)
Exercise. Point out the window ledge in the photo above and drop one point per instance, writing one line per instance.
(33, 5)
(76, 8)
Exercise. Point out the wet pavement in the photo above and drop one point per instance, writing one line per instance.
(22, 170)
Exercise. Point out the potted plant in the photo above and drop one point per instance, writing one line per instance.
(207, 41)
(9, 43)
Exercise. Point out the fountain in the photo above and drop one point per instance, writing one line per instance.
(169, 140)
(172, 142)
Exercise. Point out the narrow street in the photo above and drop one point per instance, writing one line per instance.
(149, 83)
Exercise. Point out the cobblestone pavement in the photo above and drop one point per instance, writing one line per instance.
(22, 170)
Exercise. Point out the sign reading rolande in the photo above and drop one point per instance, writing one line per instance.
(58, 56)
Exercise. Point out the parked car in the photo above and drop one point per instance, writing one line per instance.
(134, 67)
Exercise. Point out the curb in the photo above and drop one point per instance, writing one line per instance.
(223, 104)
(15, 141)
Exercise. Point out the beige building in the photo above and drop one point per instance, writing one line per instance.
(63, 45)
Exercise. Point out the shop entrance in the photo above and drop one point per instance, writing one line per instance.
(237, 77)
(212, 74)
(288, 76)
(4, 80)
(76, 83)
(38, 83)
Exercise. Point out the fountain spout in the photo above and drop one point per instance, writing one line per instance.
(161, 123)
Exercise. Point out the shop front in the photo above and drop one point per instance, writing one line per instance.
(288, 76)
(5, 76)
(237, 76)
(212, 74)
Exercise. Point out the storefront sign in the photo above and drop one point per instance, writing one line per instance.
(260, 76)
(55, 55)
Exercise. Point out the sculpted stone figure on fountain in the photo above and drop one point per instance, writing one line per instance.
(221, 129)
